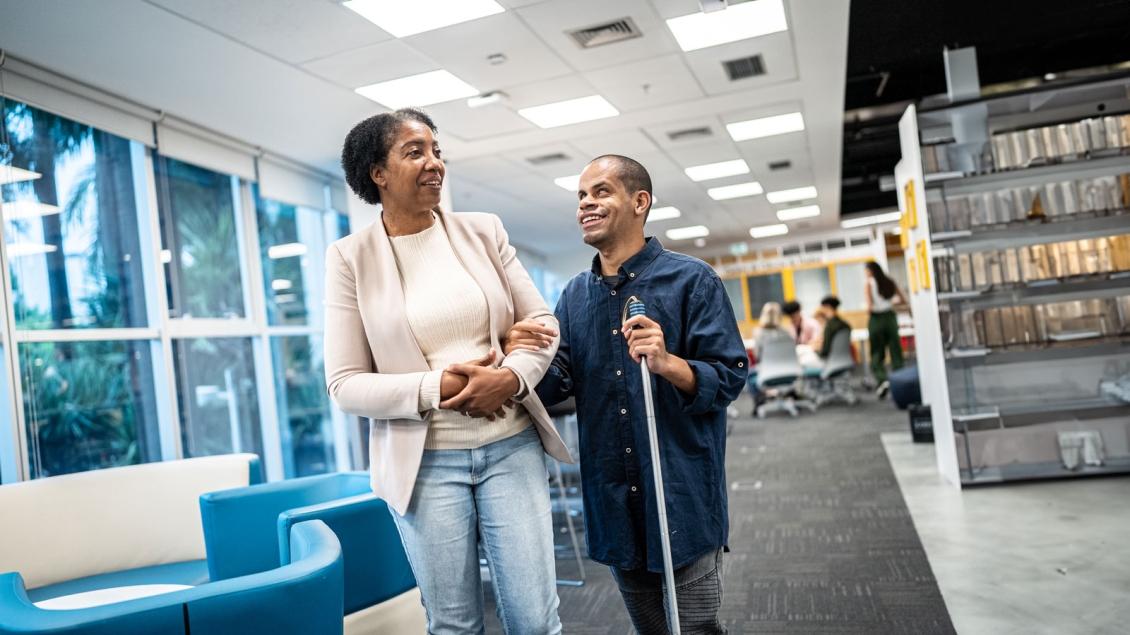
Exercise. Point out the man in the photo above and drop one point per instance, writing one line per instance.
(694, 351)
(833, 324)
(805, 330)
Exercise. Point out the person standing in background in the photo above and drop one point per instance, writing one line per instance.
(879, 292)
(805, 330)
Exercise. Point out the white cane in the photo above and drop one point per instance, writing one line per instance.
(633, 307)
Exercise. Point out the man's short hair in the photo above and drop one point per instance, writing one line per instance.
(631, 173)
(791, 308)
(831, 301)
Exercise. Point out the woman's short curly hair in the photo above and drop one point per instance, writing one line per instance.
(368, 144)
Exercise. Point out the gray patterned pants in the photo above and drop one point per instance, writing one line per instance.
(698, 589)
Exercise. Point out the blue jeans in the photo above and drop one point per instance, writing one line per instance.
(498, 494)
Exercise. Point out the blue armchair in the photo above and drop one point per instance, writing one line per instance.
(299, 598)
(248, 528)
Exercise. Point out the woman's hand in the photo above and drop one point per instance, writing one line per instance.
(528, 335)
(452, 383)
(487, 391)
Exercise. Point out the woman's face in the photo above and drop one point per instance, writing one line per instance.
(413, 173)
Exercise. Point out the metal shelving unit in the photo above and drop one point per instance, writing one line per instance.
(1023, 348)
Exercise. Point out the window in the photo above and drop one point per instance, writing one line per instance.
(762, 289)
(812, 286)
(200, 240)
(734, 292)
(70, 216)
(88, 405)
(217, 397)
(291, 240)
(849, 286)
(305, 413)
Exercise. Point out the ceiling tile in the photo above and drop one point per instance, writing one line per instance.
(551, 20)
(469, 123)
(291, 30)
(628, 143)
(660, 133)
(776, 51)
(550, 91)
(463, 49)
(486, 169)
(371, 64)
(647, 83)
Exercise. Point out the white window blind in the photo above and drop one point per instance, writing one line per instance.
(286, 182)
(183, 141)
(53, 93)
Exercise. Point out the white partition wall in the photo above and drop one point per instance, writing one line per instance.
(911, 189)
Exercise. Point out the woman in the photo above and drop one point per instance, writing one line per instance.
(769, 328)
(415, 307)
(883, 327)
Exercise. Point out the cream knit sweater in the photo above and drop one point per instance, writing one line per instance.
(448, 315)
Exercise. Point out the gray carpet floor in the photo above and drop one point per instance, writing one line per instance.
(820, 538)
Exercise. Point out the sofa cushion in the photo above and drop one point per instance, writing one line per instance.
(192, 573)
(80, 525)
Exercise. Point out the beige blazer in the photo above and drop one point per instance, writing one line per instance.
(373, 364)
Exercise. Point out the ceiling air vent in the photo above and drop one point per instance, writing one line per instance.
(780, 165)
(744, 67)
(607, 33)
(690, 133)
(544, 159)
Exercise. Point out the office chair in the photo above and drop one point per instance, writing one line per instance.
(779, 368)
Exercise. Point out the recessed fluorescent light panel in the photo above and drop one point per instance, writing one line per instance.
(15, 210)
(788, 196)
(663, 213)
(564, 113)
(766, 231)
(401, 18)
(734, 191)
(424, 89)
(571, 183)
(683, 233)
(11, 174)
(766, 126)
(871, 220)
(796, 213)
(16, 250)
(288, 250)
(717, 170)
(738, 22)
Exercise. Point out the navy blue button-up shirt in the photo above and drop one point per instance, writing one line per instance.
(687, 299)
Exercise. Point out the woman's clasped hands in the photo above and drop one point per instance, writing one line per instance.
(478, 389)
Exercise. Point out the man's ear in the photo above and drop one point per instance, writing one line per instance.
(378, 175)
(642, 202)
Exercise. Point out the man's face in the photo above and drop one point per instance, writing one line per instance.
(607, 212)
(795, 317)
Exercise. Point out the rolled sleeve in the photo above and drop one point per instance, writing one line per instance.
(708, 384)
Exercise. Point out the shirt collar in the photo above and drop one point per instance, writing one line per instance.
(637, 263)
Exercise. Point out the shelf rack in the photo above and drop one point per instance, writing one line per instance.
(995, 378)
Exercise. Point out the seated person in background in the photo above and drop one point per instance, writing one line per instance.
(769, 328)
(814, 356)
(833, 324)
(802, 329)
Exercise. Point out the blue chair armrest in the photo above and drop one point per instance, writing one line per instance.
(376, 566)
(239, 524)
(303, 597)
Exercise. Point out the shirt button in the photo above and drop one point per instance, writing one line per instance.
(618, 373)
(633, 488)
(615, 331)
(631, 275)
(613, 293)
(741, 364)
(628, 450)
(623, 411)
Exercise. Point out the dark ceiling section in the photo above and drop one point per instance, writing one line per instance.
(895, 55)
